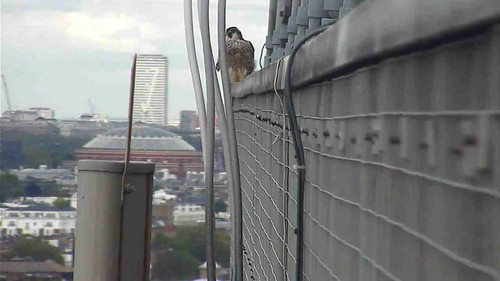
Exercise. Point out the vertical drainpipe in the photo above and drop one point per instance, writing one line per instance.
(204, 20)
(332, 8)
(315, 13)
(276, 42)
(280, 35)
(195, 74)
(285, 13)
(292, 27)
(273, 6)
(233, 148)
(348, 6)
(302, 20)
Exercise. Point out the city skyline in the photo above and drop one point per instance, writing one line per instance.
(60, 55)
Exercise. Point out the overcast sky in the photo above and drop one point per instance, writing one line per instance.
(60, 54)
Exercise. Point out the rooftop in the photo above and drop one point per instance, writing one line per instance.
(144, 137)
(42, 208)
(47, 266)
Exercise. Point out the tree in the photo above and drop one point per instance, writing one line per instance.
(193, 240)
(222, 248)
(36, 249)
(9, 187)
(175, 265)
(61, 203)
(188, 244)
(42, 188)
(161, 241)
(36, 155)
(220, 206)
(35, 150)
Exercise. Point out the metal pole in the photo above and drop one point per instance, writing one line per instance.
(271, 23)
(233, 149)
(221, 114)
(195, 73)
(203, 11)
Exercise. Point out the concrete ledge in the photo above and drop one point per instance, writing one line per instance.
(377, 28)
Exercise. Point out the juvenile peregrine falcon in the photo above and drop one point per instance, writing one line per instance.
(239, 55)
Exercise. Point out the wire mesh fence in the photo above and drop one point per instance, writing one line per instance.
(402, 171)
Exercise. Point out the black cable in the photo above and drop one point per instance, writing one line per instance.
(299, 153)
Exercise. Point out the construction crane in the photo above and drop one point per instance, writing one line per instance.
(4, 83)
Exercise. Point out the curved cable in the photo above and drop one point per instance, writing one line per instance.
(261, 53)
(221, 114)
(285, 171)
(195, 73)
(203, 12)
(233, 152)
(299, 151)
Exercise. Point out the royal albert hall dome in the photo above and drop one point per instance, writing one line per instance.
(149, 144)
(144, 137)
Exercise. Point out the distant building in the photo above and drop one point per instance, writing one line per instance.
(20, 115)
(37, 126)
(187, 214)
(67, 183)
(37, 220)
(162, 175)
(164, 212)
(40, 200)
(150, 96)
(161, 196)
(195, 200)
(93, 117)
(35, 270)
(44, 112)
(195, 178)
(189, 120)
(81, 129)
(42, 173)
(150, 144)
(86, 126)
(30, 114)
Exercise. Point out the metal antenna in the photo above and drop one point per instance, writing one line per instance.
(130, 120)
(127, 160)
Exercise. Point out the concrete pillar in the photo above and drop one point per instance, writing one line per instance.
(97, 245)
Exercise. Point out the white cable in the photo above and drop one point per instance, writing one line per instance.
(221, 114)
(285, 170)
(203, 12)
(195, 73)
(233, 149)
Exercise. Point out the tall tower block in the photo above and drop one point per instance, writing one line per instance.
(151, 100)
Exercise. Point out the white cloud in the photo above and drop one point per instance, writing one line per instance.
(53, 31)
(108, 30)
